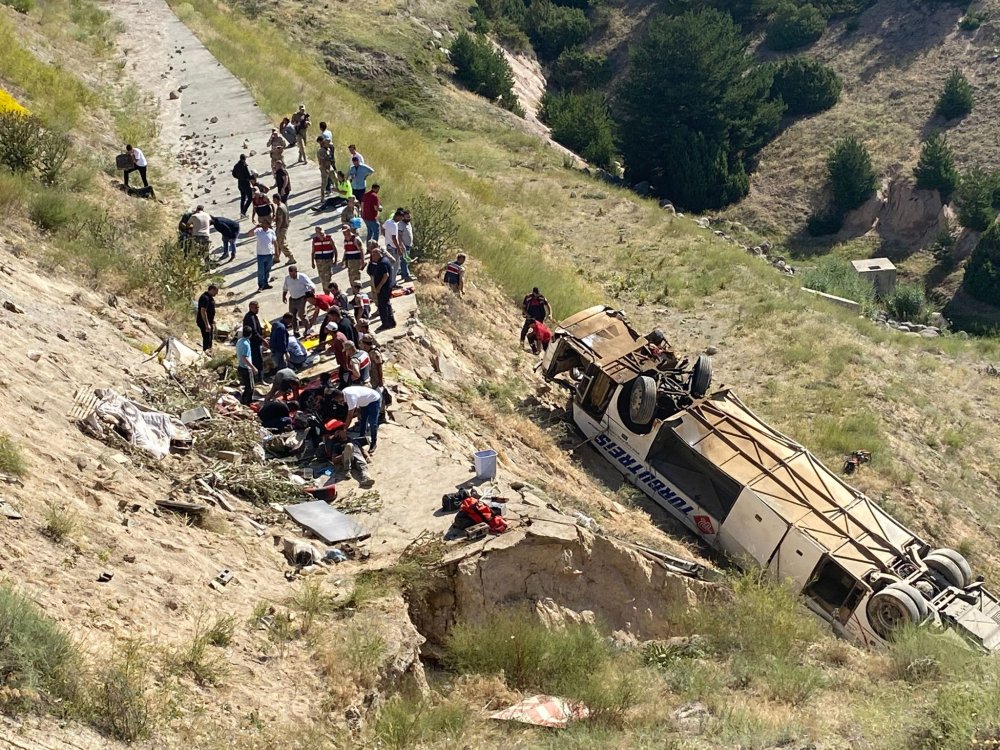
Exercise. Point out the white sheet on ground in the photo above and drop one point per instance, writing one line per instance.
(149, 431)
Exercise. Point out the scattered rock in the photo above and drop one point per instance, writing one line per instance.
(929, 333)
(129, 558)
(62, 336)
(642, 188)
(11, 306)
(174, 95)
(691, 716)
(214, 120)
(34, 355)
(711, 350)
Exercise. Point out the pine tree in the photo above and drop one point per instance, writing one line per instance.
(975, 200)
(805, 85)
(982, 274)
(936, 168)
(852, 176)
(956, 99)
(694, 108)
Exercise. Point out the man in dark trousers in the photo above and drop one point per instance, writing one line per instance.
(250, 320)
(241, 171)
(382, 281)
(535, 307)
(279, 341)
(206, 316)
(229, 230)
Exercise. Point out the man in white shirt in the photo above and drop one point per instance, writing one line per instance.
(354, 152)
(199, 224)
(365, 404)
(390, 230)
(266, 241)
(294, 291)
(139, 164)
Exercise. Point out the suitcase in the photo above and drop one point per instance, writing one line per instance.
(124, 161)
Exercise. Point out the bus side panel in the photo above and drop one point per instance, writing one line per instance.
(796, 559)
(752, 530)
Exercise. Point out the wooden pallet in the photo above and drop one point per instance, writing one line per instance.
(84, 403)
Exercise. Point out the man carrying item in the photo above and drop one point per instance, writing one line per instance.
(354, 255)
(364, 404)
(294, 291)
(229, 230)
(243, 175)
(382, 281)
(139, 165)
(246, 370)
(206, 316)
(371, 206)
(266, 242)
(453, 274)
(534, 306)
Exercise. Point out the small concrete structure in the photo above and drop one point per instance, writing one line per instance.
(880, 271)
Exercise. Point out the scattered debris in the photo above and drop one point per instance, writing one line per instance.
(178, 506)
(11, 306)
(8, 512)
(544, 711)
(854, 461)
(326, 523)
(195, 415)
(105, 577)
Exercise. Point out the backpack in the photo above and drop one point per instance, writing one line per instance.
(472, 511)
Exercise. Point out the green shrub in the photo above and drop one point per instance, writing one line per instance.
(529, 655)
(956, 99)
(121, 702)
(513, 10)
(53, 150)
(553, 28)
(482, 69)
(936, 169)
(975, 199)
(582, 123)
(794, 26)
(926, 655)
(53, 210)
(11, 460)
(60, 522)
(805, 86)
(38, 661)
(510, 35)
(577, 70)
(851, 174)
(982, 272)
(825, 223)
(964, 716)
(411, 721)
(907, 302)
(12, 191)
(973, 19)
(21, 6)
(837, 277)
(20, 137)
(435, 231)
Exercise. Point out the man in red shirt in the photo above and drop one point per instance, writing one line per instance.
(319, 303)
(539, 337)
(370, 208)
(324, 256)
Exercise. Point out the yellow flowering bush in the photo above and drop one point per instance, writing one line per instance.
(9, 104)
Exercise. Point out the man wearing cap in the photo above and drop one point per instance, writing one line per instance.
(354, 253)
(323, 256)
(276, 144)
(294, 291)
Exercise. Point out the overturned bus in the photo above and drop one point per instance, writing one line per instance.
(755, 494)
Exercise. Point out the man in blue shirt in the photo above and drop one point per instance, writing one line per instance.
(358, 175)
(245, 368)
(279, 341)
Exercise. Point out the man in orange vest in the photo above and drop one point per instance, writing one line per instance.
(324, 255)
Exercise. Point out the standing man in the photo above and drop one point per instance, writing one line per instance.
(246, 370)
(404, 240)
(282, 180)
(324, 157)
(324, 256)
(266, 242)
(354, 255)
(261, 204)
(243, 175)
(453, 274)
(294, 292)
(361, 303)
(276, 144)
(327, 136)
(371, 206)
(358, 175)
(534, 307)
(281, 223)
(279, 341)
(301, 122)
(206, 316)
(365, 404)
(251, 321)
(390, 230)
(229, 230)
(353, 151)
(382, 279)
(139, 165)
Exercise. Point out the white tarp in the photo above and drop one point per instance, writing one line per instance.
(149, 431)
(177, 353)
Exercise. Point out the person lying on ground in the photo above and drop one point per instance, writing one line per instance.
(364, 404)
(339, 194)
(297, 354)
(286, 381)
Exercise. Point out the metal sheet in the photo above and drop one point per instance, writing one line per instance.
(328, 524)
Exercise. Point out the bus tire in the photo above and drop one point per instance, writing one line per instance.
(642, 400)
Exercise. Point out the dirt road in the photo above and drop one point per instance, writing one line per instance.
(205, 129)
